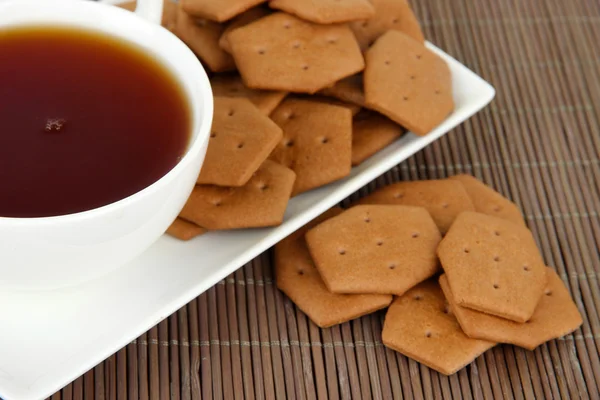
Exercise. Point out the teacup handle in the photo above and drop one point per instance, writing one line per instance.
(150, 10)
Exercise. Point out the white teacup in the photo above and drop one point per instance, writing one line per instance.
(52, 252)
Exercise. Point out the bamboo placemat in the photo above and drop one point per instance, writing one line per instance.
(538, 143)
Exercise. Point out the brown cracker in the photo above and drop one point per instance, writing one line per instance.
(243, 19)
(261, 202)
(326, 11)
(316, 144)
(493, 266)
(202, 37)
(349, 89)
(389, 15)
(444, 199)
(282, 52)
(555, 315)
(372, 132)
(407, 82)
(375, 249)
(184, 230)
(298, 278)
(169, 15)
(229, 85)
(488, 201)
(241, 139)
(354, 109)
(419, 326)
(218, 10)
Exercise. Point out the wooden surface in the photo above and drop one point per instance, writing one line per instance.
(538, 143)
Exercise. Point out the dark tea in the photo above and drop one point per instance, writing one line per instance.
(85, 120)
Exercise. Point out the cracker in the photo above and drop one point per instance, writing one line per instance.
(556, 315)
(298, 278)
(202, 37)
(218, 10)
(229, 85)
(243, 19)
(407, 82)
(354, 109)
(349, 89)
(326, 11)
(241, 139)
(317, 142)
(282, 52)
(389, 15)
(184, 230)
(444, 199)
(259, 203)
(419, 326)
(493, 266)
(372, 132)
(375, 249)
(488, 201)
(169, 15)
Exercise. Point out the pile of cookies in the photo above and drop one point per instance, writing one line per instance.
(304, 90)
(452, 259)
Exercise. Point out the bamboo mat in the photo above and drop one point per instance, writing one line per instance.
(538, 143)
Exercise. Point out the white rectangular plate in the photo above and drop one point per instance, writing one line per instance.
(47, 339)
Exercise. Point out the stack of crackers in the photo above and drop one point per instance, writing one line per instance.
(452, 260)
(304, 90)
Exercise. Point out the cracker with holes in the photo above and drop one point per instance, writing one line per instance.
(375, 249)
(184, 230)
(488, 201)
(282, 52)
(407, 82)
(389, 15)
(354, 109)
(444, 199)
(493, 266)
(556, 315)
(317, 140)
(419, 326)
(372, 132)
(229, 85)
(202, 37)
(326, 11)
(259, 203)
(218, 10)
(349, 89)
(241, 139)
(243, 19)
(298, 278)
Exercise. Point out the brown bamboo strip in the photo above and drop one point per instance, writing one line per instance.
(286, 354)
(330, 364)
(99, 382)
(221, 322)
(56, 396)
(366, 360)
(142, 349)
(196, 390)
(67, 392)
(340, 361)
(184, 354)
(316, 349)
(132, 371)
(164, 379)
(379, 373)
(111, 378)
(305, 352)
(121, 381)
(234, 336)
(349, 350)
(153, 379)
(77, 386)
(215, 347)
(300, 390)
(205, 348)
(88, 381)
(247, 364)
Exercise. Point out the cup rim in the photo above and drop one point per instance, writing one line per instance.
(202, 125)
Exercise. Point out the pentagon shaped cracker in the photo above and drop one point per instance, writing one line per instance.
(488, 201)
(408, 83)
(389, 15)
(282, 52)
(556, 315)
(372, 132)
(169, 15)
(259, 203)
(493, 266)
(241, 139)
(349, 89)
(202, 36)
(229, 85)
(354, 109)
(218, 10)
(184, 230)
(444, 199)
(375, 249)
(298, 278)
(243, 19)
(326, 11)
(317, 142)
(419, 326)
